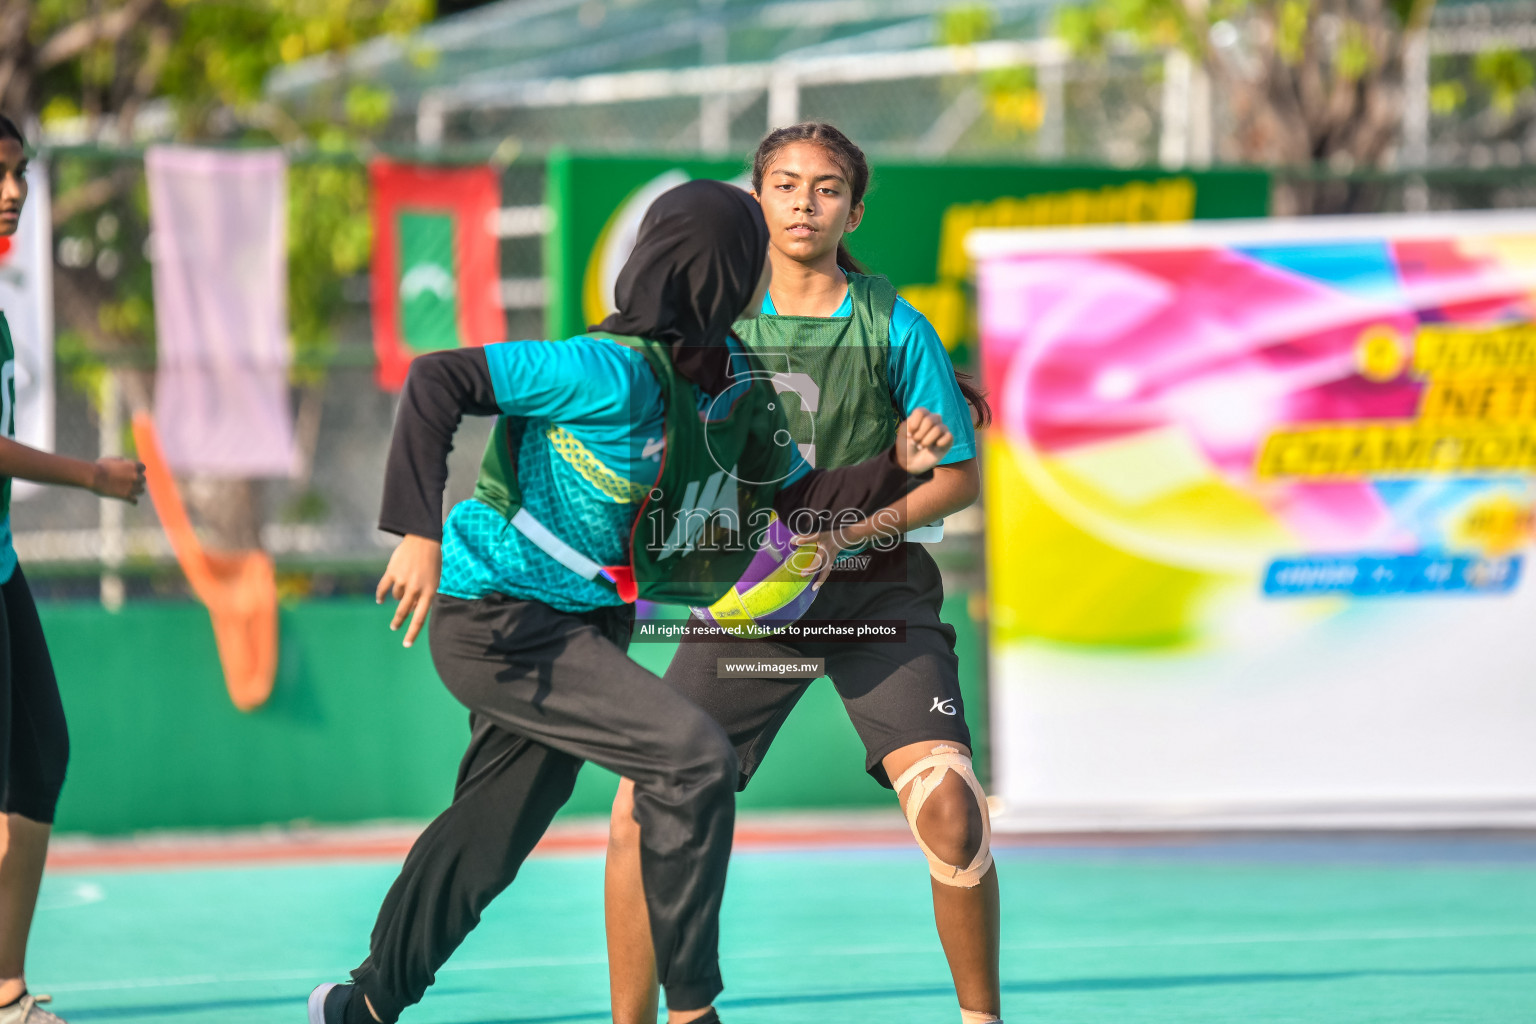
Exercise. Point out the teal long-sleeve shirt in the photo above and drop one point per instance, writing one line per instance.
(591, 447)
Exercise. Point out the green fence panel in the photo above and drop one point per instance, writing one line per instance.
(357, 728)
(913, 231)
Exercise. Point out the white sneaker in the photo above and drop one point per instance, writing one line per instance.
(27, 1011)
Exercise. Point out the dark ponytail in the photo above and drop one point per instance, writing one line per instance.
(856, 169)
(846, 261)
(981, 409)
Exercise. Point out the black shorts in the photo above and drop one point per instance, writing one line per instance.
(34, 742)
(895, 693)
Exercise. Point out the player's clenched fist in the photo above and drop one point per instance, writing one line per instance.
(118, 478)
(922, 442)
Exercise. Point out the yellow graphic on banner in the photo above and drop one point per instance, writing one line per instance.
(1385, 449)
(1119, 598)
(1476, 416)
(1495, 526)
(1380, 353)
(1444, 350)
(1483, 399)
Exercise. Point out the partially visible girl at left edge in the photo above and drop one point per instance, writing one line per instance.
(34, 742)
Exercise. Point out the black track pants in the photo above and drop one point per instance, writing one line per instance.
(549, 690)
(34, 741)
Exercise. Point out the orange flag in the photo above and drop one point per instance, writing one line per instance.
(239, 588)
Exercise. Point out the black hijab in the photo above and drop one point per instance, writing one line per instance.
(696, 262)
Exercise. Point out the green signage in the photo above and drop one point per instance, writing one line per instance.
(429, 294)
(913, 231)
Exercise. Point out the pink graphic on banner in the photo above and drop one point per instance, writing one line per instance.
(218, 219)
(1213, 342)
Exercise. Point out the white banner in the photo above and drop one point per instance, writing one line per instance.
(219, 222)
(26, 297)
(1261, 504)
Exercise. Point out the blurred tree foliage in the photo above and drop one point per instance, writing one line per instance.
(1306, 82)
(109, 72)
(1010, 96)
(1507, 75)
(195, 67)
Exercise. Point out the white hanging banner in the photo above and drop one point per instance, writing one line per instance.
(219, 222)
(26, 297)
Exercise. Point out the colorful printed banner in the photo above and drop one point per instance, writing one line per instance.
(1258, 500)
(219, 223)
(26, 297)
(914, 231)
(436, 275)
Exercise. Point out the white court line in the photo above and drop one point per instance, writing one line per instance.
(320, 974)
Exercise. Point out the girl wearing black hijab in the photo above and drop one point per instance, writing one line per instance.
(531, 583)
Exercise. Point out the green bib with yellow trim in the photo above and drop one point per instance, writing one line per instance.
(699, 522)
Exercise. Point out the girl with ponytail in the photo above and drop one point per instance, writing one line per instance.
(33, 732)
(850, 358)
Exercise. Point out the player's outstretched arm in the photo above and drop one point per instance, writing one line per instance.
(441, 389)
(109, 477)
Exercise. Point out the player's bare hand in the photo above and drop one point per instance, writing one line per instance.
(122, 479)
(922, 442)
(825, 547)
(411, 579)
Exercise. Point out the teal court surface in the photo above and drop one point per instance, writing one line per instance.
(829, 926)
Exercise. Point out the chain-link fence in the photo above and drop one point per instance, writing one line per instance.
(678, 76)
(319, 525)
(1438, 190)
(997, 107)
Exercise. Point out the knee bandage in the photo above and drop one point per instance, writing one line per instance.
(938, 765)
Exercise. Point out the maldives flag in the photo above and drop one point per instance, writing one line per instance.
(435, 273)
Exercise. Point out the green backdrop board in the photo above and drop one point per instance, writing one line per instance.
(357, 728)
(914, 227)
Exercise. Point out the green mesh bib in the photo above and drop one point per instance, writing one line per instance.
(831, 374)
(697, 525)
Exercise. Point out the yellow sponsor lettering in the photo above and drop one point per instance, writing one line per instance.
(1442, 350)
(1079, 203)
(1396, 448)
(959, 219)
(1489, 399)
(1176, 200)
(1166, 200)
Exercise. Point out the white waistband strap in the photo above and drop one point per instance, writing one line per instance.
(553, 546)
(930, 534)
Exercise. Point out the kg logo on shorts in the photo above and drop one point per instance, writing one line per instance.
(942, 704)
